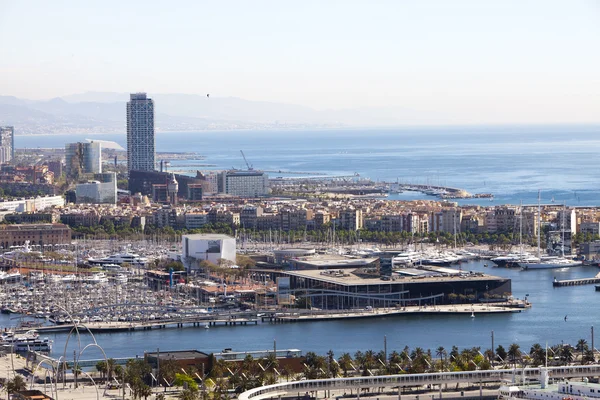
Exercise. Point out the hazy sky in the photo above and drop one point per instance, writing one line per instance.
(480, 61)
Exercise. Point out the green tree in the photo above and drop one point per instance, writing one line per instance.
(183, 380)
(514, 352)
(101, 367)
(582, 346)
(17, 384)
(137, 372)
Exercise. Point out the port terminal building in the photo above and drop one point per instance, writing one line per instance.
(345, 283)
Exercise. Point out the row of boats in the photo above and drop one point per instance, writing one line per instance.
(526, 261)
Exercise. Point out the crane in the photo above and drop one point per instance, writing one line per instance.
(246, 161)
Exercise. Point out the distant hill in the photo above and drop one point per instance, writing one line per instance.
(94, 112)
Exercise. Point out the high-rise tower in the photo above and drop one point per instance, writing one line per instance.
(140, 133)
(7, 144)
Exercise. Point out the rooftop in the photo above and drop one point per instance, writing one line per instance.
(207, 236)
(347, 277)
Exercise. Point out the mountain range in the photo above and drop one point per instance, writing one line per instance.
(104, 112)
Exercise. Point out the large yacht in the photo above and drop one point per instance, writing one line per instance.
(132, 259)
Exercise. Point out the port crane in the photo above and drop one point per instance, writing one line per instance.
(246, 161)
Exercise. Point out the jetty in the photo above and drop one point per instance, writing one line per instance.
(450, 309)
(109, 327)
(577, 282)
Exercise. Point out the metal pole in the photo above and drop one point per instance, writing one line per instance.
(593, 348)
(157, 366)
(493, 351)
(385, 349)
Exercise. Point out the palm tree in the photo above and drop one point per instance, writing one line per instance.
(110, 367)
(345, 362)
(17, 384)
(441, 353)
(582, 346)
(537, 354)
(566, 354)
(514, 352)
(101, 367)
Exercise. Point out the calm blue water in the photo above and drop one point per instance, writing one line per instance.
(543, 322)
(510, 162)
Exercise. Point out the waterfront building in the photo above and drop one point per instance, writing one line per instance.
(243, 183)
(32, 204)
(207, 247)
(169, 216)
(56, 167)
(194, 191)
(77, 218)
(451, 220)
(184, 359)
(294, 219)
(567, 220)
(159, 193)
(140, 133)
(195, 220)
(351, 219)
(36, 234)
(321, 218)
(592, 228)
(223, 216)
(83, 158)
(334, 286)
(7, 144)
(101, 191)
(249, 216)
(31, 218)
(142, 181)
(590, 250)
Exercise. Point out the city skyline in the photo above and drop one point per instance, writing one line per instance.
(464, 62)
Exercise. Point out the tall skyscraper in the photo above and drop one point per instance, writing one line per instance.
(140, 133)
(7, 144)
(83, 158)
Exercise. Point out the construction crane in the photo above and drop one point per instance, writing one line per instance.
(246, 161)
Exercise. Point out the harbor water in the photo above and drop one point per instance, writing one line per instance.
(544, 322)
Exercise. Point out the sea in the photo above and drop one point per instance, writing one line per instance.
(511, 162)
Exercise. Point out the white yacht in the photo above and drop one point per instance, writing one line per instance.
(406, 259)
(99, 277)
(132, 259)
(572, 390)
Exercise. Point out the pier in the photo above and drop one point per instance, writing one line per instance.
(109, 327)
(462, 309)
(577, 282)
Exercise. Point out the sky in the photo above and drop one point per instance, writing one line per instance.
(506, 61)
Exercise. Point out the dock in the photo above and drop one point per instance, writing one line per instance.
(109, 327)
(461, 309)
(577, 282)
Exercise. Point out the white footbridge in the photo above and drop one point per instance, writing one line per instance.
(518, 375)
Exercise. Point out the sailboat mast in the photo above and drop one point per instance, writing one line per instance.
(539, 220)
(521, 229)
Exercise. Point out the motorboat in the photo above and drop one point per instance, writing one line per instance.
(121, 258)
(99, 277)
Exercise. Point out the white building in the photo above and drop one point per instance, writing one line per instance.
(32, 204)
(140, 133)
(102, 191)
(244, 183)
(209, 247)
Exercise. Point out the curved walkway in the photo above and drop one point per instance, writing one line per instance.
(396, 381)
